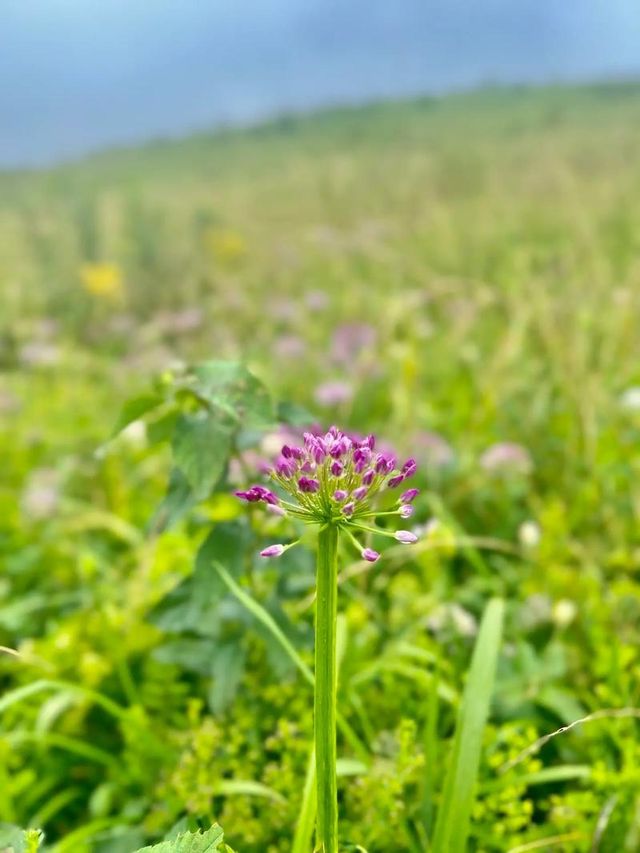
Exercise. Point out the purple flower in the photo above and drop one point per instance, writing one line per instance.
(333, 393)
(506, 456)
(395, 481)
(289, 346)
(350, 341)
(258, 493)
(308, 485)
(286, 467)
(339, 446)
(370, 555)
(409, 468)
(317, 300)
(333, 479)
(385, 462)
(273, 551)
(434, 450)
(406, 537)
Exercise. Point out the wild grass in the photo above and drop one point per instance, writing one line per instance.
(465, 273)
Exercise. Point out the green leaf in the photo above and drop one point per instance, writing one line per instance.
(135, 408)
(227, 668)
(177, 502)
(234, 391)
(452, 823)
(194, 654)
(201, 447)
(192, 605)
(190, 842)
(294, 415)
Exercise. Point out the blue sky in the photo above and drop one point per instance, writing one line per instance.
(78, 75)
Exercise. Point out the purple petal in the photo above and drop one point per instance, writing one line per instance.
(409, 468)
(395, 481)
(370, 555)
(408, 496)
(385, 462)
(406, 537)
(308, 484)
(273, 551)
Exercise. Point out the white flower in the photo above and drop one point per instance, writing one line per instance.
(529, 534)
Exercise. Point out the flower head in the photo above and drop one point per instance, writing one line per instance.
(333, 478)
(506, 457)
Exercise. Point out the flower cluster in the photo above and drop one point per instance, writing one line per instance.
(333, 479)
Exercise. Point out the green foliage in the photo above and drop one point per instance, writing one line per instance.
(191, 842)
(488, 244)
(452, 825)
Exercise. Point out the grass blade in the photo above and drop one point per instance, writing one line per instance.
(452, 822)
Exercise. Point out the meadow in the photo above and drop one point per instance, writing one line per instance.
(459, 276)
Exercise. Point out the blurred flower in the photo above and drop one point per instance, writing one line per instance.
(283, 309)
(333, 392)
(350, 340)
(180, 322)
(316, 300)
(150, 360)
(121, 324)
(289, 346)
(41, 495)
(39, 354)
(630, 399)
(529, 534)
(534, 611)
(45, 328)
(434, 450)
(8, 402)
(564, 612)
(455, 617)
(506, 456)
(103, 281)
(225, 245)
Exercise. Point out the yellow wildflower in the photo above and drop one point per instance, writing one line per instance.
(225, 245)
(102, 280)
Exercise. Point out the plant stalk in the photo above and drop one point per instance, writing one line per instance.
(326, 686)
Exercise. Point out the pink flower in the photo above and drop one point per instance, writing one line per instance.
(273, 551)
(333, 392)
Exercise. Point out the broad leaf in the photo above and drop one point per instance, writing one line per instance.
(201, 446)
(179, 499)
(191, 842)
(227, 668)
(135, 408)
(192, 605)
(232, 390)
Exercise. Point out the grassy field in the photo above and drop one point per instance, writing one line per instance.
(459, 276)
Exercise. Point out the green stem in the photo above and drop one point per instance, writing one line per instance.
(326, 689)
